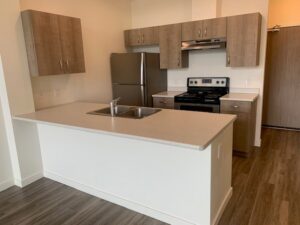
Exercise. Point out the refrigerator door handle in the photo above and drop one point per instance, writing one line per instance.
(142, 69)
(143, 95)
(143, 87)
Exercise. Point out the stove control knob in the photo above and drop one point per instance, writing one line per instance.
(223, 82)
(196, 82)
(218, 82)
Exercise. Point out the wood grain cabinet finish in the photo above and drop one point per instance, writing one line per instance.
(163, 103)
(171, 56)
(141, 37)
(243, 40)
(54, 43)
(204, 29)
(244, 126)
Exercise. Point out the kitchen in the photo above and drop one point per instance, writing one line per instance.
(208, 71)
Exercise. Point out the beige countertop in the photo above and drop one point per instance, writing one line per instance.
(173, 127)
(168, 94)
(248, 97)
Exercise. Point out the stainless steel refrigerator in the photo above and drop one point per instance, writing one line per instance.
(136, 77)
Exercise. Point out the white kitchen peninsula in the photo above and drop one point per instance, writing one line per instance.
(174, 166)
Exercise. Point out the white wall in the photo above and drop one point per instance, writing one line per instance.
(12, 50)
(6, 176)
(103, 23)
(284, 13)
(209, 63)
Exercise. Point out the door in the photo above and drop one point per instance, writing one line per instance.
(133, 37)
(72, 44)
(282, 79)
(127, 68)
(46, 37)
(214, 28)
(129, 94)
(192, 31)
(243, 40)
(155, 78)
(171, 56)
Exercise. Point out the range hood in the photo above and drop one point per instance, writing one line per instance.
(205, 44)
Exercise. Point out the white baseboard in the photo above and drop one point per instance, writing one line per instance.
(258, 143)
(29, 180)
(223, 207)
(159, 215)
(6, 184)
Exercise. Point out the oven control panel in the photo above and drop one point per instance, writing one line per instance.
(208, 82)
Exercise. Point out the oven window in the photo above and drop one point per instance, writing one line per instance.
(197, 108)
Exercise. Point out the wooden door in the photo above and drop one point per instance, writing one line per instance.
(214, 28)
(72, 44)
(243, 40)
(171, 56)
(282, 79)
(133, 37)
(192, 31)
(148, 36)
(43, 44)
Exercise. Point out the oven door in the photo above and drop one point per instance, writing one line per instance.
(212, 108)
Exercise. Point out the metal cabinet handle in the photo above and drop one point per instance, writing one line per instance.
(163, 101)
(61, 63)
(68, 64)
(143, 38)
(199, 33)
(228, 60)
(205, 32)
(179, 61)
(235, 106)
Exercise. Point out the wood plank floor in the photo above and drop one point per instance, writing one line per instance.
(266, 187)
(266, 192)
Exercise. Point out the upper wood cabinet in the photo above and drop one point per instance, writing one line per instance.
(171, 56)
(204, 29)
(243, 40)
(54, 43)
(141, 37)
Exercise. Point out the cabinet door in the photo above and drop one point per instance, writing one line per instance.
(148, 36)
(192, 31)
(214, 28)
(171, 56)
(43, 44)
(133, 37)
(243, 40)
(72, 44)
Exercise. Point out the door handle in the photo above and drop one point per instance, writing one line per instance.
(61, 63)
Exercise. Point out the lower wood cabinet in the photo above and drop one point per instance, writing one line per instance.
(163, 103)
(244, 126)
(171, 56)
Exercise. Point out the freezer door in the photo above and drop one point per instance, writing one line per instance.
(130, 94)
(155, 78)
(127, 68)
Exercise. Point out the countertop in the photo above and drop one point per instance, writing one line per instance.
(194, 130)
(246, 97)
(168, 94)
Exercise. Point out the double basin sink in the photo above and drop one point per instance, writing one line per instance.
(126, 112)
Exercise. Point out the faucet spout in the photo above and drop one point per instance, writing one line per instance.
(113, 106)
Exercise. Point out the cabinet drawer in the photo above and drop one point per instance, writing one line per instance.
(235, 106)
(164, 103)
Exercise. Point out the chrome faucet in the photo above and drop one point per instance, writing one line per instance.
(113, 105)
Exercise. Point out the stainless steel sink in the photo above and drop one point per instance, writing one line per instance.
(127, 112)
(106, 111)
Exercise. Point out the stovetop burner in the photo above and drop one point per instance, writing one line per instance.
(204, 90)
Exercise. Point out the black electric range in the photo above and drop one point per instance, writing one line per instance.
(203, 94)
